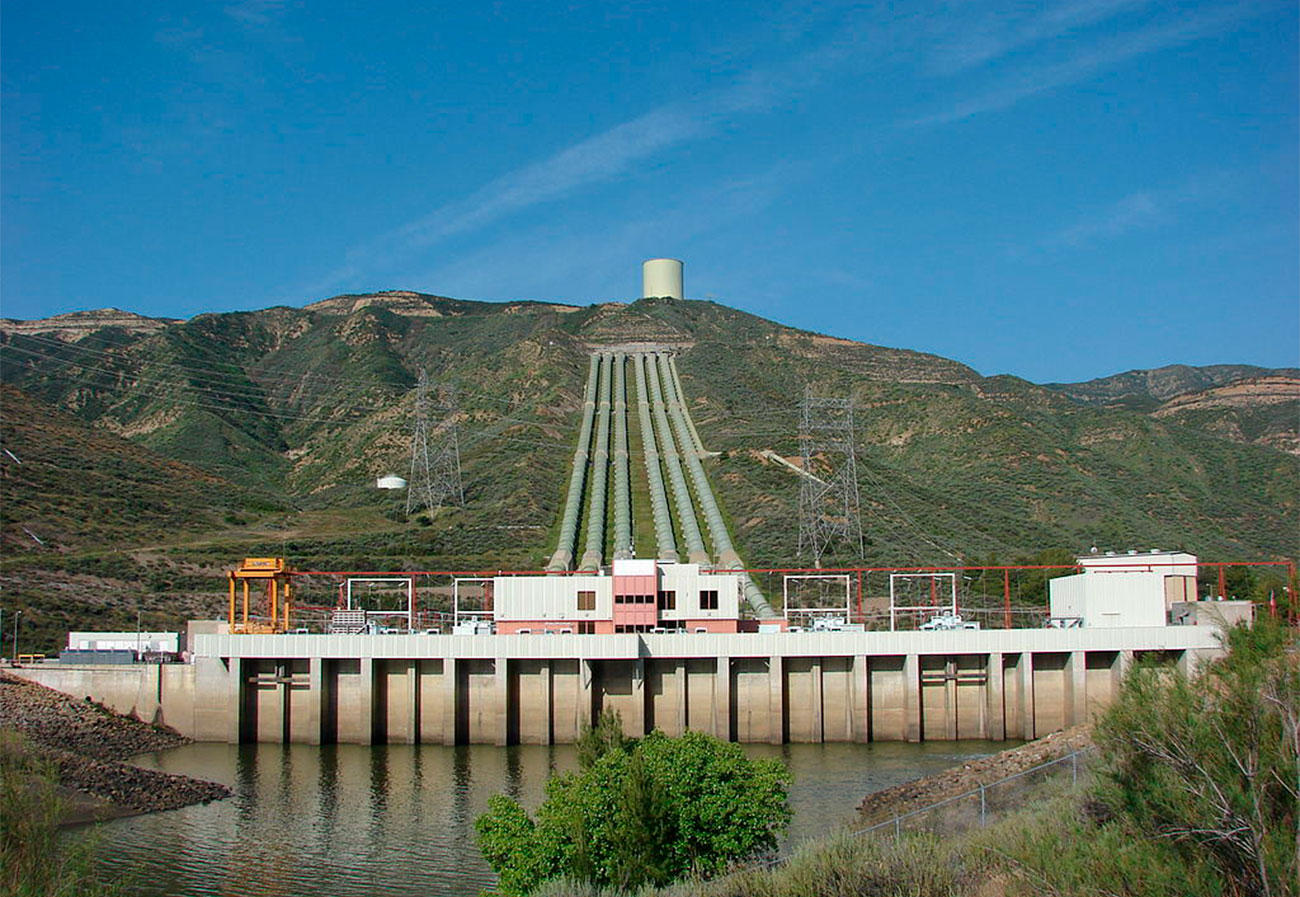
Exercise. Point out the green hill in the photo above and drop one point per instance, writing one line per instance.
(301, 408)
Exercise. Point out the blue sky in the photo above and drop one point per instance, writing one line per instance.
(1058, 191)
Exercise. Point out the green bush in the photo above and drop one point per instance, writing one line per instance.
(1211, 766)
(645, 812)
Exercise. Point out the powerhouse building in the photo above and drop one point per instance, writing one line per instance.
(641, 595)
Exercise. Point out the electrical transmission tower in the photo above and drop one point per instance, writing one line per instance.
(435, 453)
(829, 508)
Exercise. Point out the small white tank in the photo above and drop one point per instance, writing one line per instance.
(390, 482)
(661, 278)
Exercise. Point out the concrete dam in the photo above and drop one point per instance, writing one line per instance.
(536, 689)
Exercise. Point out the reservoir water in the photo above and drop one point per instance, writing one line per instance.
(399, 820)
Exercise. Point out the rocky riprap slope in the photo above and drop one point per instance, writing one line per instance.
(921, 793)
(87, 743)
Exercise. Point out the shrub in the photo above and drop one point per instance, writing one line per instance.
(33, 861)
(644, 812)
(1212, 765)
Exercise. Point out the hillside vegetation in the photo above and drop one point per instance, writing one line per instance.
(1192, 790)
(276, 422)
(1239, 402)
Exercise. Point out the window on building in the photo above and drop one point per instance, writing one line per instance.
(586, 600)
(586, 627)
(668, 600)
(708, 599)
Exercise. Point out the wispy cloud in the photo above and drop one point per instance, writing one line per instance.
(1001, 32)
(598, 159)
(576, 262)
(1138, 211)
(613, 153)
(1110, 54)
(859, 42)
(230, 57)
(256, 13)
(602, 157)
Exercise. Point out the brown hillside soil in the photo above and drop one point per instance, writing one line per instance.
(919, 793)
(87, 743)
(1240, 394)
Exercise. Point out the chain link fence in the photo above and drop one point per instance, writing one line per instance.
(987, 803)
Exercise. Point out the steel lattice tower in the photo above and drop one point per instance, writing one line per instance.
(829, 507)
(435, 453)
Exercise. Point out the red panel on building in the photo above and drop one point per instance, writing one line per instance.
(636, 591)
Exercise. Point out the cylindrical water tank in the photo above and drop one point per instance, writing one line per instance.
(661, 278)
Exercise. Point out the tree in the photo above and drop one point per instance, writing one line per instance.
(647, 811)
(598, 740)
(1212, 765)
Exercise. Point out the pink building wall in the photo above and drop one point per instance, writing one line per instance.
(640, 613)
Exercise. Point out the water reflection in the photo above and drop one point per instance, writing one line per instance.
(398, 819)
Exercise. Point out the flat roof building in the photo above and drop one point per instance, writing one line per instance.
(639, 595)
(1123, 589)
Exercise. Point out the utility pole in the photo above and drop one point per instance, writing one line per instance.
(435, 477)
(830, 509)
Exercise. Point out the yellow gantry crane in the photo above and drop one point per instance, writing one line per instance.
(277, 575)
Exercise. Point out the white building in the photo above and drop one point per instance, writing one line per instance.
(1130, 589)
(640, 596)
(140, 642)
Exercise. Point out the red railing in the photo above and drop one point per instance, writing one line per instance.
(1022, 587)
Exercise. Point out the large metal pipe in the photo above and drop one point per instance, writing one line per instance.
(595, 553)
(623, 547)
(696, 553)
(680, 397)
(665, 542)
(728, 559)
(563, 557)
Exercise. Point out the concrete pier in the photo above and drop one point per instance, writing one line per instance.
(542, 689)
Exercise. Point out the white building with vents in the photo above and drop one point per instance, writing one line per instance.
(1123, 589)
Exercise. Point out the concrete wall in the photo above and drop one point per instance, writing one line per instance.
(791, 687)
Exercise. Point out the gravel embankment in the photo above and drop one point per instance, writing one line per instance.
(87, 744)
(920, 793)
